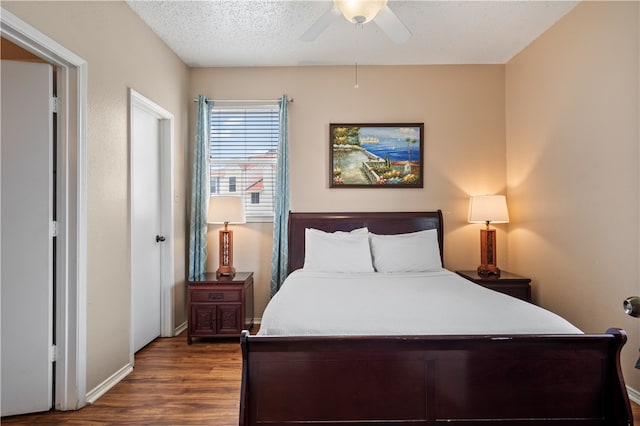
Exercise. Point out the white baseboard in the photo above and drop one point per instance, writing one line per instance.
(104, 387)
(182, 327)
(634, 395)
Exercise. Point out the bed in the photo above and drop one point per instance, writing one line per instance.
(396, 368)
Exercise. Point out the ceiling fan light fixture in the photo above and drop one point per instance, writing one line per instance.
(359, 11)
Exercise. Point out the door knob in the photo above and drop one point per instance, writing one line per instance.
(159, 238)
(632, 306)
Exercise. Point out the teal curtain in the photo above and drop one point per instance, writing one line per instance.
(279, 261)
(200, 192)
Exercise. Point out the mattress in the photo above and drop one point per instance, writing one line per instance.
(425, 303)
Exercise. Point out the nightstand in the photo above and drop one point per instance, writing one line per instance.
(220, 306)
(507, 283)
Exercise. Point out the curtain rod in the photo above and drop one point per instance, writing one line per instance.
(242, 100)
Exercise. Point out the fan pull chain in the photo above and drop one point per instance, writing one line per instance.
(356, 85)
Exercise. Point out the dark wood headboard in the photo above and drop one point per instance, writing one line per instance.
(377, 222)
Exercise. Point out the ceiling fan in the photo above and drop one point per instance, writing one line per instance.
(361, 12)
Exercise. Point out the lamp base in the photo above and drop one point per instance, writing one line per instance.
(225, 267)
(488, 271)
(226, 271)
(488, 266)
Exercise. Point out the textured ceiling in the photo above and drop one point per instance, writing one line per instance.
(267, 32)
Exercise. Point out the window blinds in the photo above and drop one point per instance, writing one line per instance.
(243, 156)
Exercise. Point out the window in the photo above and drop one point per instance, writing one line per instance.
(244, 144)
(215, 184)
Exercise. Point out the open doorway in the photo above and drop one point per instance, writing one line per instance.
(69, 351)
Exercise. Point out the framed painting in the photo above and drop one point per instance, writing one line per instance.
(376, 155)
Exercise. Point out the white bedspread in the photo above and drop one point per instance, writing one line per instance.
(316, 303)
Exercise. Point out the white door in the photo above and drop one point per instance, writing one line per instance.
(146, 225)
(26, 285)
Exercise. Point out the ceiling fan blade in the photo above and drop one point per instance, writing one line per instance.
(321, 24)
(392, 26)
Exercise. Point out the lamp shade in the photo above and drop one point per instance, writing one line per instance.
(226, 209)
(359, 11)
(488, 208)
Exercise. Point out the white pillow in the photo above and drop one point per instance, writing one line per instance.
(412, 252)
(337, 252)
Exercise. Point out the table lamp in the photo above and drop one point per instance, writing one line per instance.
(226, 209)
(486, 209)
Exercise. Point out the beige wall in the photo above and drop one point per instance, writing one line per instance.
(462, 108)
(573, 162)
(121, 52)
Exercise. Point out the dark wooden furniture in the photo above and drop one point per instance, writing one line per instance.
(420, 380)
(507, 283)
(470, 380)
(220, 306)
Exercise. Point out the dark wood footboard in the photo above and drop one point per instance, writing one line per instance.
(417, 380)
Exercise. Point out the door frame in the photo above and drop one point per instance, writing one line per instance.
(71, 242)
(137, 100)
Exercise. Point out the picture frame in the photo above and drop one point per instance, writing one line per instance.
(376, 155)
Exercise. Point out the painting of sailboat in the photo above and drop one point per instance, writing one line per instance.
(376, 155)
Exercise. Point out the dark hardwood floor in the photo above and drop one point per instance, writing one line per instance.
(172, 384)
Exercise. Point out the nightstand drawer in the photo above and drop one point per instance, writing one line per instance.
(206, 296)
